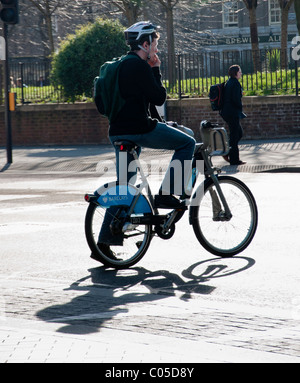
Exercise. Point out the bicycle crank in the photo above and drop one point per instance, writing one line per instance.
(165, 233)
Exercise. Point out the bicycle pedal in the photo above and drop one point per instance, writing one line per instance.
(217, 170)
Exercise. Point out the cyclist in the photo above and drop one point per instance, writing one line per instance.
(140, 85)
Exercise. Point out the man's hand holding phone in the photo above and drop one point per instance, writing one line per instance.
(154, 61)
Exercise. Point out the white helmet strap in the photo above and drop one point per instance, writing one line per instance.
(145, 50)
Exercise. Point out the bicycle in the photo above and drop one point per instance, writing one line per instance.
(222, 210)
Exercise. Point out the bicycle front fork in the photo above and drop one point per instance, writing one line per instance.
(219, 214)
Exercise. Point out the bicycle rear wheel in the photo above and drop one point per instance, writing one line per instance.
(136, 238)
(221, 237)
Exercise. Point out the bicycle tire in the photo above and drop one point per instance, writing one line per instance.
(224, 238)
(135, 243)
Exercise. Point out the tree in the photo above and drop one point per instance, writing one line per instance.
(297, 10)
(169, 6)
(285, 6)
(68, 10)
(80, 56)
(130, 8)
(251, 5)
(47, 9)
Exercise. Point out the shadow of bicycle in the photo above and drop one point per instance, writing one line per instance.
(110, 293)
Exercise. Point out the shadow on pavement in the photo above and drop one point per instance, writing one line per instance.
(5, 167)
(71, 152)
(111, 292)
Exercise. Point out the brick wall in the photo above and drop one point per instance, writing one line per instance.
(74, 124)
(268, 117)
(59, 124)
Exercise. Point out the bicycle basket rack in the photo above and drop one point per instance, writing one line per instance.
(215, 139)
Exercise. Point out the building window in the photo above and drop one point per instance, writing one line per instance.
(274, 12)
(230, 14)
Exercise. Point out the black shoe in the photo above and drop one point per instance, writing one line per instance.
(239, 163)
(105, 249)
(167, 202)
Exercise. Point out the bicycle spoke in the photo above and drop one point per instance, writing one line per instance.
(225, 237)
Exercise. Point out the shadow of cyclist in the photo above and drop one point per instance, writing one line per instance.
(110, 293)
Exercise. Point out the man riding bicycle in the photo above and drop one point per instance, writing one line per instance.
(140, 86)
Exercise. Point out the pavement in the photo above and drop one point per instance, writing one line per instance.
(41, 342)
(278, 155)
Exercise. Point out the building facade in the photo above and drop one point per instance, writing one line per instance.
(224, 25)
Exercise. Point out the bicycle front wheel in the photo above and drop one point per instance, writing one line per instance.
(135, 240)
(220, 236)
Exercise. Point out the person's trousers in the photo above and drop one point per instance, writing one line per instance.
(176, 177)
(166, 137)
(235, 134)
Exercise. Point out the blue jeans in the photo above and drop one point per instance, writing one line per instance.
(166, 137)
(162, 137)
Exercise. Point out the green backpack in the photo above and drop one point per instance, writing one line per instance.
(107, 94)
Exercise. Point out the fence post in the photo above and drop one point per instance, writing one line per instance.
(296, 78)
(7, 115)
(179, 78)
(22, 82)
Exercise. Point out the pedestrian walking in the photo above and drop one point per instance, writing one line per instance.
(232, 113)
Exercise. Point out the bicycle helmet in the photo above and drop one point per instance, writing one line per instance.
(138, 30)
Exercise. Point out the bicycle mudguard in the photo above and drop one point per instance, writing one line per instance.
(113, 194)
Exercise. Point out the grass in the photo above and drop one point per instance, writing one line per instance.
(280, 82)
(37, 94)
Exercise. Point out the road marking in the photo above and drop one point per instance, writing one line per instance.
(19, 196)
(25, 227)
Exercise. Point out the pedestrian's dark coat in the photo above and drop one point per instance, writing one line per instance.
(232, 101)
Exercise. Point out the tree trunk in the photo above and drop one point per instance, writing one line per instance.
(47, 14)
(130, 9)
(168, 5)
(285, 6)
(297, 10)
(254, 39)
(283, 42)
(50, 32)
(171, 46)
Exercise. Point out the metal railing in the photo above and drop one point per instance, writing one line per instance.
(30, 81)
(191, 75)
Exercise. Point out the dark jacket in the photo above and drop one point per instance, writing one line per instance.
(232, 101)
(139, 85)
